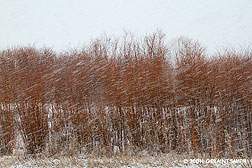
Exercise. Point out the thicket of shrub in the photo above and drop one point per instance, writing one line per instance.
(126, 94)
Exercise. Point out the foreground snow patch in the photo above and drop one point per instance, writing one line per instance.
(141, 161)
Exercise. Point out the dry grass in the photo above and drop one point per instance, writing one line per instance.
(162, 161)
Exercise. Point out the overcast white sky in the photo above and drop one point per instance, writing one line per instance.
(64, 24)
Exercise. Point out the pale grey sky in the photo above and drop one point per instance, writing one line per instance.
(64, 24)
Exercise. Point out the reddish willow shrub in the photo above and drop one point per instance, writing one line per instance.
(126, 95)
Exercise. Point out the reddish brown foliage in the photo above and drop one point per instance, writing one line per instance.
(127, 95)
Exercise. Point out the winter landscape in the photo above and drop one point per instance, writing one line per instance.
(141, 98)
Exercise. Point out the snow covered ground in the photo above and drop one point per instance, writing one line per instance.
(143, 161)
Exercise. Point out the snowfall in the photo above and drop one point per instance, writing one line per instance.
(65, 24)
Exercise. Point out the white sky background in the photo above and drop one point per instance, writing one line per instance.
(65, 24)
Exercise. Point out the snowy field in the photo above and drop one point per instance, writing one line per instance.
(138, 161)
